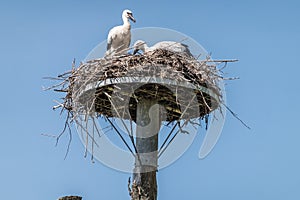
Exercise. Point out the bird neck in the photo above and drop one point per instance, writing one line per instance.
(145, 47)
(126, 22)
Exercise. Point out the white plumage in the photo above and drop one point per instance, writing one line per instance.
(119, 37)
(168, 45)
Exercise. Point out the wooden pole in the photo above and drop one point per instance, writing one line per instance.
(144, 185)
(70, 198)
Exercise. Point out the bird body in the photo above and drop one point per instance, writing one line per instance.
(119, 37)
(167, 45)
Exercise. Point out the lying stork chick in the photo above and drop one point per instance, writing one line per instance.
(119, 37)
(167, 45)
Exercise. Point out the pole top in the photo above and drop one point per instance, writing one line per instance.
(70, 198)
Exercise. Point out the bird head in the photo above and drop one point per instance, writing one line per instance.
(128, 14)
(139, 45)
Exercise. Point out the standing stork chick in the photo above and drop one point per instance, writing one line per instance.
(119, 37)
(167, 45)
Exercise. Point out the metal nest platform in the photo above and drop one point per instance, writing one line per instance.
(185, 87)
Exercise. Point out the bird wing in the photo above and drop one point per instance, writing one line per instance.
(127, 40)
(109, 40)
(118, 40)
(123, 42)
(111, 37)
(174, 46)
(187, 50)
(108, 46)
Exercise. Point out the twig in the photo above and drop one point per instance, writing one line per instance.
(236, 116)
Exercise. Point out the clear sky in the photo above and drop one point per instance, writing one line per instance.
(41, 38)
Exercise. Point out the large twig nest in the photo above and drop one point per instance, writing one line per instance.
(112, 87)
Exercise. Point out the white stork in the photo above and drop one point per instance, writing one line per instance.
(119, 37)
(167, 45)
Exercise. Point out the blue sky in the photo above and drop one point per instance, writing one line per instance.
(41, 38)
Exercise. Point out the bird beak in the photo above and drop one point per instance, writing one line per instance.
(132, 18)
(135, 51)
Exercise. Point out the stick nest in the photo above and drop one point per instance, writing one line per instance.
(160, 65)
(106, 87)
(90, 87)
